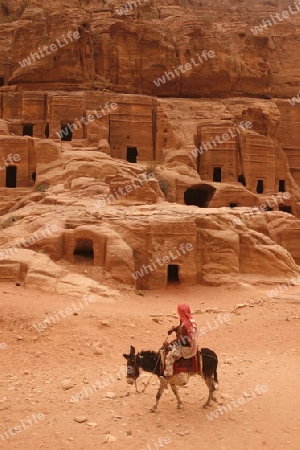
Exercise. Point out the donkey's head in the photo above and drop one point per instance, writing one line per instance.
(132, 367)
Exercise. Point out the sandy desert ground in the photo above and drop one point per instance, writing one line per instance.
(64, 387)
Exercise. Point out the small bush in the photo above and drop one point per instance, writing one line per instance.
(41, 188)
(9, 221)
(7, 19)
(150, 168)
(141, 293)
(164, 185)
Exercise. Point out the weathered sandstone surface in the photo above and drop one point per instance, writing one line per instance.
(223, 244)
(127, 52)
(129, 158)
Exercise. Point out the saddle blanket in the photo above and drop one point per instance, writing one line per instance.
(183, 365)
(187, 365)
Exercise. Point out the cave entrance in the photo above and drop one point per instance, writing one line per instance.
(281, 186)
(132, 154)
(260, 186)
(66, 133)
(173, 273)
(287, 209)
(217, 174)
(11, 177)
(28, 129)
(84, 251)
(47, 130)
(242, 180)
(2, 81)
(199, 195)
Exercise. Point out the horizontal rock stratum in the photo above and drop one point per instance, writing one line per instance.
(145, 143)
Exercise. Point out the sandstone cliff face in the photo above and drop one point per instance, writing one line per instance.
(141, 245)
(127, 52)
(102, 55)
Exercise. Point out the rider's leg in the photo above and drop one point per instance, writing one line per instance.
(171, 357)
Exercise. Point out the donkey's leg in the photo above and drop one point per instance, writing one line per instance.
(209, 383)
(179, 401)
(158, 396)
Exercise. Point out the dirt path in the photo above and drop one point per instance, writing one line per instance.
(258, 351)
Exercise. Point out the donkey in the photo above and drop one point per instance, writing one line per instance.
(150, 361)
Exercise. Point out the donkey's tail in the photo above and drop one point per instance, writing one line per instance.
(215, 379)
(216, 376)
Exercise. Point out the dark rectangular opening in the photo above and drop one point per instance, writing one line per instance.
(132, 154)
(5, 10)
(260, 186)
(173, 273)
(66, 133)
(217, 174)
(284, 208)
(84, 251)
(241, 179)
(28, 129)
(281, 187)
(47, 131)
(198, 162)
(2, 80)
(11, 177)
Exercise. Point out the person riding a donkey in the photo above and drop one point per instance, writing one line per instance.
(184, 346)
(205, 364)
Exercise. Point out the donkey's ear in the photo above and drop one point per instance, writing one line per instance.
(126, 356)
(132, 351)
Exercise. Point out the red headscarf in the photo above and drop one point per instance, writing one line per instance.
(186, 318)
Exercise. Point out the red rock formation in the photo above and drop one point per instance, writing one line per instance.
(181, 74)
